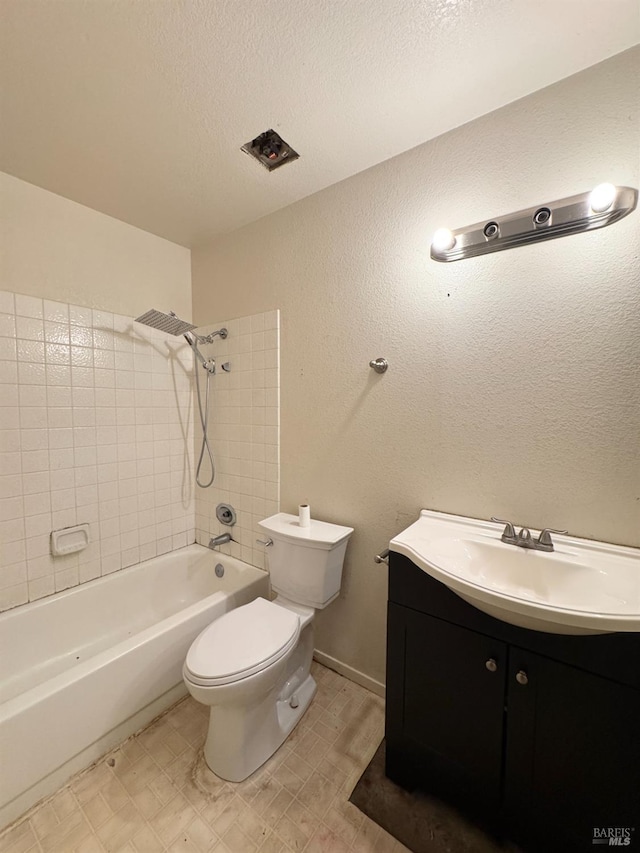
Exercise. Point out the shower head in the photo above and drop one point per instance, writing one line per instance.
(173, 325)
(168, 323)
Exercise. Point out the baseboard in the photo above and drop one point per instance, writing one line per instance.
(349, 672)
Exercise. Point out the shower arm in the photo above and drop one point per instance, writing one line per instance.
(193, 339)
(209, 364)
(209, 339)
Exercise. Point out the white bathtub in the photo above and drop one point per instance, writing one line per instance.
(84, 669)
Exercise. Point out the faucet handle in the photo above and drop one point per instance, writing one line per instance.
(509, 533)
(544, 540)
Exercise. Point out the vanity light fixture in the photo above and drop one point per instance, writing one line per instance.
(602, 206)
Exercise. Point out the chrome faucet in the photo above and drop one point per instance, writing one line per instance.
(220, 540)
(524, 539)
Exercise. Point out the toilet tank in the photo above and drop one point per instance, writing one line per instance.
(305, 563)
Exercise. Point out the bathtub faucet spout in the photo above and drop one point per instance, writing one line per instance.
(220, 540)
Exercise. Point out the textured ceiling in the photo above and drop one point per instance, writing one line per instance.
(138, 108)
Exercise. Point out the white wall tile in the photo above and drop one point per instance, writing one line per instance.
(41, 587)
(8, 325)
(9, 396)
(28, 306)
(96, 428)
(11, 508)
(66, 578)
(11, 485)
(7, 302)
(56, 311)
(13, 596)
(37, 461)
(10, 463)
(82, 435)
(244, 434)
(37, 504)
(32, 395)
(34, 439)
(80, 316)
(56, 333)
(8, 348)
(28, 329)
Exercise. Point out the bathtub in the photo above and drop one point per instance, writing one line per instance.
(85, 668)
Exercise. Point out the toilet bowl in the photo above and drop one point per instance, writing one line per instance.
(251, 666)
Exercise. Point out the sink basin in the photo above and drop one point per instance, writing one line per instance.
(583, 587)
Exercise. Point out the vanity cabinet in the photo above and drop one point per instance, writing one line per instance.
(535, 734)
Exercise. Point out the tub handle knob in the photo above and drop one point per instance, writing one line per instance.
(265, 542)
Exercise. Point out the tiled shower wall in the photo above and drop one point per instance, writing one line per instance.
(244, 433)
(96, 425)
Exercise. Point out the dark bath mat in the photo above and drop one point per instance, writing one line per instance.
(422, 823)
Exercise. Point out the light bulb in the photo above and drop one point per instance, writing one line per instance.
(443, 240)
(602, 197)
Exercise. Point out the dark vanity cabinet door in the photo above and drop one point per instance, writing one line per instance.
(532, 732)
(572, 749)
(450, 702)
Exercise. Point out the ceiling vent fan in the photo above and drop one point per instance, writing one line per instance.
(271, 150)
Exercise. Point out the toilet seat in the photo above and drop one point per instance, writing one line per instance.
(241, 643)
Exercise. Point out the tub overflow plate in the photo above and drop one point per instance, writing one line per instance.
(226, 514)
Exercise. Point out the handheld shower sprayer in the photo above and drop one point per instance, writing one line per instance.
(173, 325)
(209, 364)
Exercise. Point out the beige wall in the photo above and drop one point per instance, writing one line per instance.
(56, 249)
(513, 388)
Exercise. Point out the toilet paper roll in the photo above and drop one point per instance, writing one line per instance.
(304, 515)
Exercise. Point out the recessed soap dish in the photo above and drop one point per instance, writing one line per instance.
(69, 540)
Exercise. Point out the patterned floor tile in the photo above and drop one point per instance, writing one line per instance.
(155, 794)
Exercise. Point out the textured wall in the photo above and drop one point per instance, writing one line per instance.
(138, 108)
(53, 248)
(514, 381)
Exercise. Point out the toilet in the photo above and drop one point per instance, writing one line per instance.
(252, 665)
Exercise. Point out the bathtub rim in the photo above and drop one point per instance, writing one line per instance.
(74, 672)
(95, 583)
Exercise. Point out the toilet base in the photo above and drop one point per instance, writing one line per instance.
(238, 744)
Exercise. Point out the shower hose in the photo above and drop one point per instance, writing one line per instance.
(204, 420)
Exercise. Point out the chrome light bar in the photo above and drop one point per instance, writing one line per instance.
(602, 206)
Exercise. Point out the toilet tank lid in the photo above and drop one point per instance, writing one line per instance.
(319, 534)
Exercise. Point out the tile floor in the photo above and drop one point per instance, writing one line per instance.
(154, 793)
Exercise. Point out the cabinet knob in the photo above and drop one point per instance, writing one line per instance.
(491, 665)
(522, 677)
